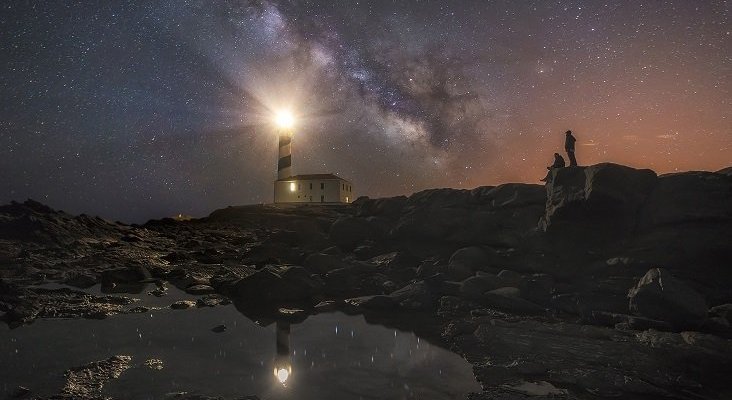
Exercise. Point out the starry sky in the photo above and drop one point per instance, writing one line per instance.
(142, 109)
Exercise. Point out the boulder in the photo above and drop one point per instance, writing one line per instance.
(474, 287)
(507, 299)
(274, 286)
(389, 207)
(415, 296)
(660, 296)
(125, 275)
(464, 262)
(495, 216)
(689, 197)
(723, 311)
(511, 195)
(319, 263)
(376, 302)
(538, 288)
(600, 193)
(200, 290)
(725, 171)
(347, 232)
(510, 278)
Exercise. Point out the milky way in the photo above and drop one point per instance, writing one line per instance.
(135, 109)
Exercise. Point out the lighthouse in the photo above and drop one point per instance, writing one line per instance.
(310, 188)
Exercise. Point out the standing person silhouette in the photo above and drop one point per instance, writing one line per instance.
(569, 147)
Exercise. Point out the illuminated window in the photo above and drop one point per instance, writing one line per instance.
(346, 199)
(292, 186)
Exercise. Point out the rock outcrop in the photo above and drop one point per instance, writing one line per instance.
(603, 196)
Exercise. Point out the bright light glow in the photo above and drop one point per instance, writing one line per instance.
(292, 186)
(282, 375)
(285, 119)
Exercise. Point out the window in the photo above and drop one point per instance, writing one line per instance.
(343, 186)
(322, 198)
(292, 186)
(311, 186)
(322, 185)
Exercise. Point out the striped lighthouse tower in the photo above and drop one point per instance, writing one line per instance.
(284, 164)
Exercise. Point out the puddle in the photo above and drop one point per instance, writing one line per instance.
(326, 356)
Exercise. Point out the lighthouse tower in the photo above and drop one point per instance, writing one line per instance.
(284, 164)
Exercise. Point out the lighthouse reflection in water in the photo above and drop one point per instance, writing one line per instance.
(283, 359)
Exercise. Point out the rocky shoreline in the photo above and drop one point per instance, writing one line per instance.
(607, 282)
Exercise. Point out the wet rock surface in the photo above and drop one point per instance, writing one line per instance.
(607, 282)
(87, 381)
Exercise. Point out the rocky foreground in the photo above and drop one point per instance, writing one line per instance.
(607, 282)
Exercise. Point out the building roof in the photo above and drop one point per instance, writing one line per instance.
(313, 177)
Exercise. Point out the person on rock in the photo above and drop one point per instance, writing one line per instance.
(558, 163)
(569, 147)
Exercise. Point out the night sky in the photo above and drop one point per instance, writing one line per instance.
(134, 109)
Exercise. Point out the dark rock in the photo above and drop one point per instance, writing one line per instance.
(319, 263)
(159, 291)
(367, 249)
(326, 306)
(642, 324)
(20, 392)
(507, 299)
(415, 296)
(463, 217)
(723, 311)
(219, 329)
(126, 275)
(88, 380)
(538, 288)
(376, 302)
(660, 296)
(358, 278)
(428, 267)
(689, 197)
(605, 193)
(474, 287)
(389, 207)
(183, 304)
(212, 300)
(200, 290)
(725, 171)
(274, 286)
(464, 262)
(510, 278)
(81, 280)
(347, 232)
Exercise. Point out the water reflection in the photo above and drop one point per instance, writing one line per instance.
(324, 356)
(283, 360)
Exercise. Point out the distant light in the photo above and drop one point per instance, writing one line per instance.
(284, 119)
(292, 186)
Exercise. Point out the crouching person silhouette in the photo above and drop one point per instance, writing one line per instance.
(558, 163)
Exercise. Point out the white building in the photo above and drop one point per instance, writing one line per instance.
(315, 188)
